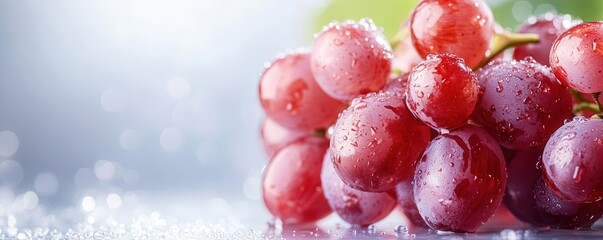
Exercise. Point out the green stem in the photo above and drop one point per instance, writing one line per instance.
(504, 40)
(577, 95)
(585, 106)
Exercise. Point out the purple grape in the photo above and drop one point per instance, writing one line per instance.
(572, 160)
(531, 201)
(563, 214)
(519, 196)
(406, 199)
(522, 103)
(460, 180)
(354, 206)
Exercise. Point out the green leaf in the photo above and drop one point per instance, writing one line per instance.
(387, 14)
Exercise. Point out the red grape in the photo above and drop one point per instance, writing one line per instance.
(442, 91)
(291, 185)
(376, 142)
(460, 180)
(522, 103)
(290, 96)
(274, 136)
(406, 199)
(354, 206)
(351, 59)
(548, 29)
(572, 160)
(460, 27)
(577, 57)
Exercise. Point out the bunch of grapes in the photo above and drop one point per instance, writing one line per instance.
(447, 125)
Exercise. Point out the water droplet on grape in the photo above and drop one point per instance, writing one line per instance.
(356, 126)
(337, 42)
(373, 131)
(577, 174)
(444, 202)
(569, 136)
(420, 94)
(360, 105)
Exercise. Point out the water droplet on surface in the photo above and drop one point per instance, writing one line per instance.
(420, 94)
(400, 230)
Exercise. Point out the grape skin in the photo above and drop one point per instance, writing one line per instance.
(577, 57)
(521, 103)
(290, 95)
(376, 142)
(291, 186)
(460, 180)
(572, 160)
(442, 91)
(354, 206)
(351, 59)
(460, 27)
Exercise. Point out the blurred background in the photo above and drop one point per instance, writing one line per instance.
(112, 108)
